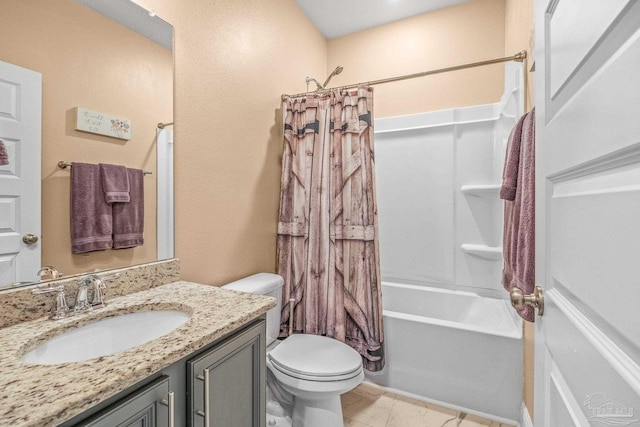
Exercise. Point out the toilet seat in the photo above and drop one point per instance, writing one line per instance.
(315, 358)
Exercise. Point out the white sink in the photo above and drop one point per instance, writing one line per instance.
(106, 336)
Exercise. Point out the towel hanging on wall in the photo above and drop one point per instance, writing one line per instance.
(98, 225)
(91, 220)
(518, 192)
(115, 183)
(128, 218)
(4, 156)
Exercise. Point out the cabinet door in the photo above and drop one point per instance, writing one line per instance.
(148, 407)
(227, 383)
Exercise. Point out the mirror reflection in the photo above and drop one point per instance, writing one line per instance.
(91, 61)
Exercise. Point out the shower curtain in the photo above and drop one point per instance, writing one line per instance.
(327, 231)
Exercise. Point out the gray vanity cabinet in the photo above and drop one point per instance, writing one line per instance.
(233, 366)
(147, 407)
(226, 383)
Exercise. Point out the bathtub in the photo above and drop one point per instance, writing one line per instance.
(452, 348)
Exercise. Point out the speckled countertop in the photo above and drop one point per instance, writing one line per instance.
(38, 395)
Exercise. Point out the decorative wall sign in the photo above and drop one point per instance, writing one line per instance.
(102, 124)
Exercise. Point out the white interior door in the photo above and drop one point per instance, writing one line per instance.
(587, 343)
(20, 129)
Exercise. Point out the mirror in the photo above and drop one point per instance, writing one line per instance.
(88, 58)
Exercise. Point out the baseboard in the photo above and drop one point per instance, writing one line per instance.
(525, 419)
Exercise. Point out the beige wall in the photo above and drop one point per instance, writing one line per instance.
(466, 33)
(518, 36)
(233, 60)
(89, 61)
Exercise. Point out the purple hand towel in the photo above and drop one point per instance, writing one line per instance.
(128, 218)
(115, 183)
(91, 222)
(4, 156)
(519, 211)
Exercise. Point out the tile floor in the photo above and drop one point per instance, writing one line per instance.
(370, 406)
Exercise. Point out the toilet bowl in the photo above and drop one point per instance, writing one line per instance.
(307, 373)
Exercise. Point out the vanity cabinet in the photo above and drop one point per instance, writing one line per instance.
(233, 367)
(226, 383)
(151, 406)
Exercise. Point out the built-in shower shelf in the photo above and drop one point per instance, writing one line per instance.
(493, 253)
(486, 190)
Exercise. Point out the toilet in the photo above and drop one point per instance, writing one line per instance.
(306, 373)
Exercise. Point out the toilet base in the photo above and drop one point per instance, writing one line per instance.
(317, 412)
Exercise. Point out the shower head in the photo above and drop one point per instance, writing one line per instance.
(311, 79)
(335, 72)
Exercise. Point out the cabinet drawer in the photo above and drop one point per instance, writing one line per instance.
(226, 384)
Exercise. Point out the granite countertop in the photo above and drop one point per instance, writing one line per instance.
(39, 395)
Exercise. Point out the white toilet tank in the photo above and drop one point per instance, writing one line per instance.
(268, 284)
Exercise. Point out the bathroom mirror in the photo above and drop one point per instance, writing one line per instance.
(114, 58)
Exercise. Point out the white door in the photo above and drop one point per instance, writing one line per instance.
(20, 131)
(587, 343)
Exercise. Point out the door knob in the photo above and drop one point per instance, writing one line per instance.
(30, 239)
(519, 300)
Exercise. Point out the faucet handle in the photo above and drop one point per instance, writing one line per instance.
(99, 286)
(98, 293)
(81, 303)
(61, 308)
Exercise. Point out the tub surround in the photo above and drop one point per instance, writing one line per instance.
(38, 395)
(20, 305)
(468, 358)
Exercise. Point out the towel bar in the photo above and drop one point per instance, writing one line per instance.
(64, 165)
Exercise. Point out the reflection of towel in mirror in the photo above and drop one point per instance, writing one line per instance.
(128, 218)
(91, 221)
(115, 183)
(4, 156)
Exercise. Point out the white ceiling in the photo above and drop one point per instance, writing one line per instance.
(134, 17)
(335, 18)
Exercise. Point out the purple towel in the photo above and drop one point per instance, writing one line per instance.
(115, 183)
(518, 190)
(91, 222)
(4, 156)
(511, 162)
(128, 218)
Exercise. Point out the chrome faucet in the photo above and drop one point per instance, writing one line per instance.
(90, 295)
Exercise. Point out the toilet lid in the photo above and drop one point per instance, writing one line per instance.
(315, 357)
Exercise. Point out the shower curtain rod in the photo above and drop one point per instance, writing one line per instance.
(518, 57)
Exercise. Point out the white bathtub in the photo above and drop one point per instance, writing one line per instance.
(452, 348)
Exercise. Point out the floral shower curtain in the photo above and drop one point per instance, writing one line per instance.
(327, 231)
